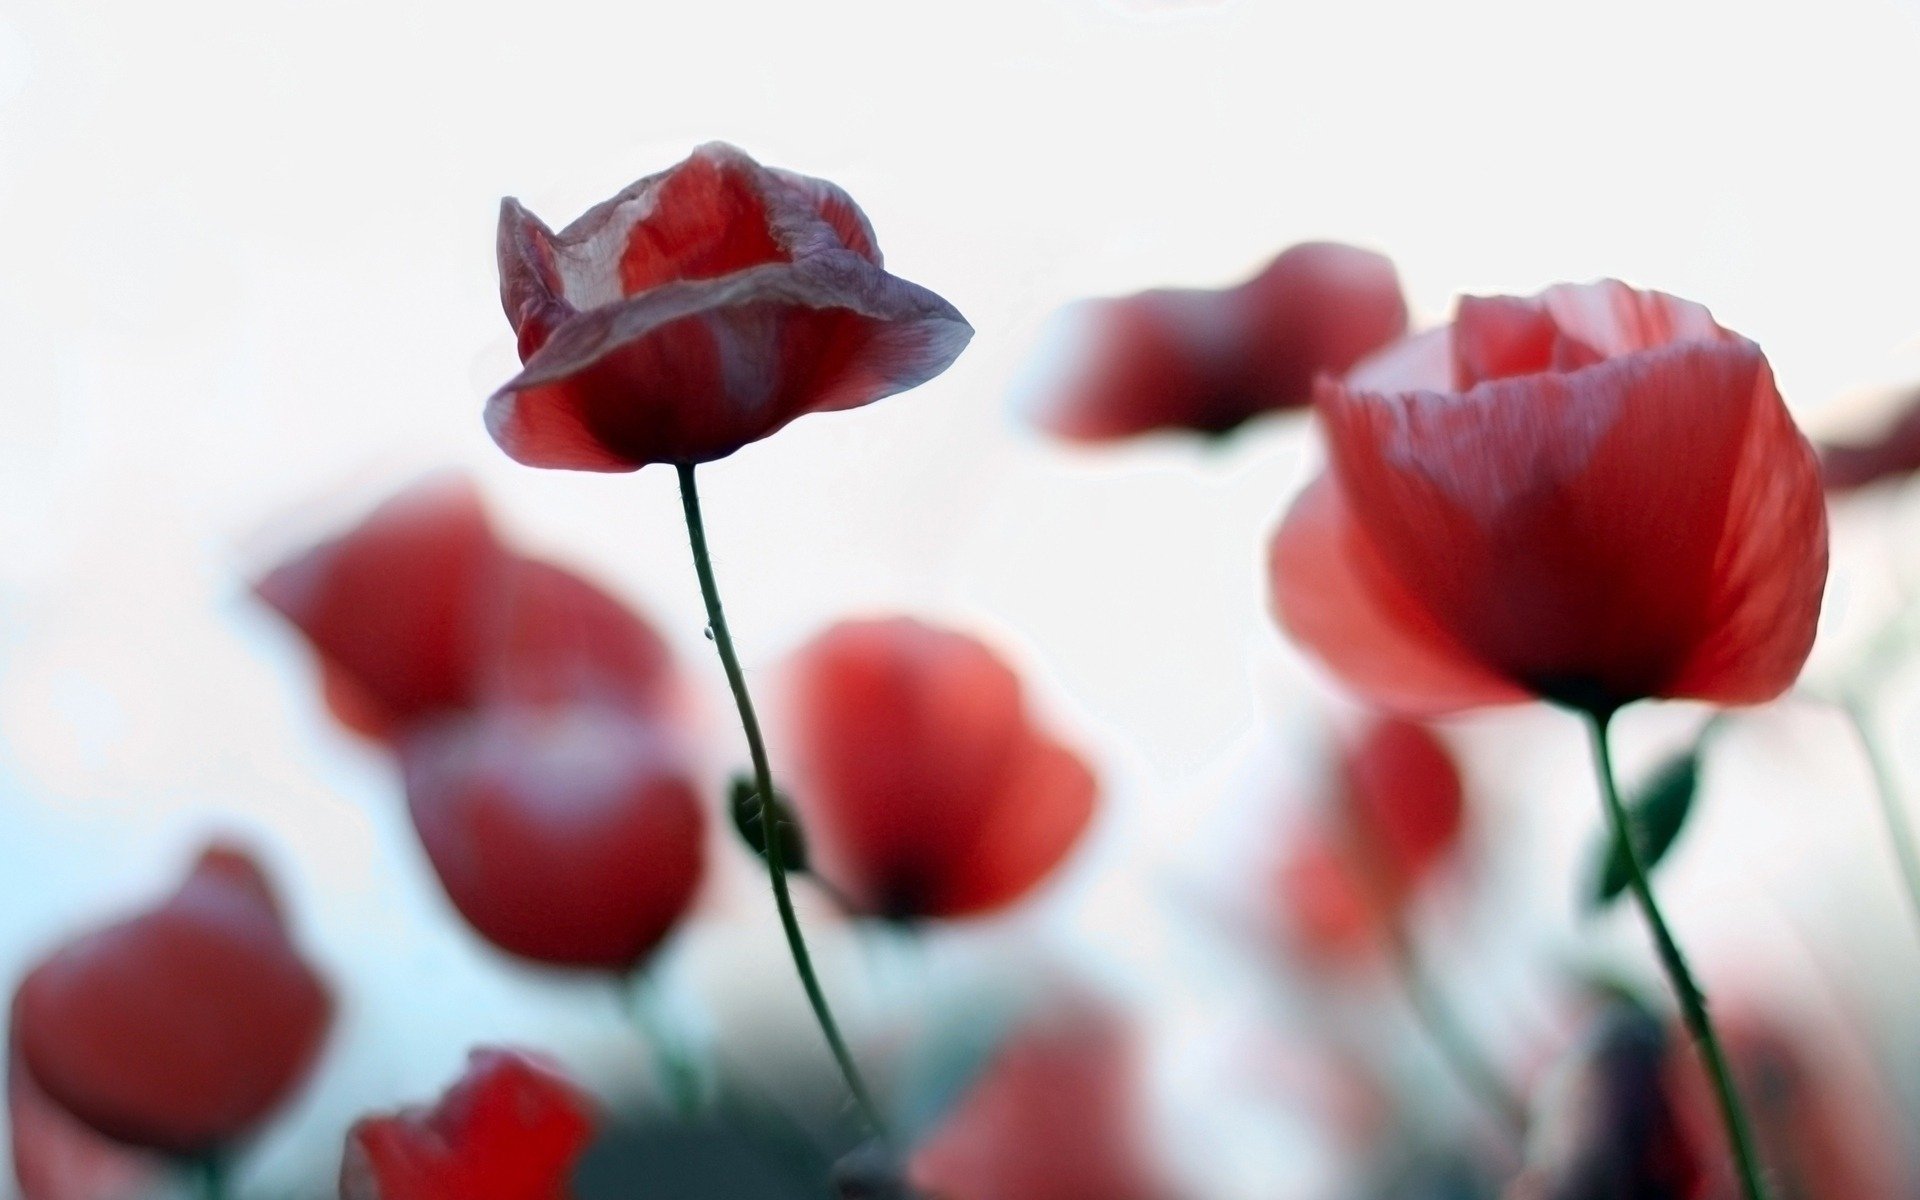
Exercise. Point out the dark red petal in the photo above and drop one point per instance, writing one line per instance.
(1149, 362)
(1332, 591)
(1404, 798)
(182, 1029)
(1056, 1116)
(690, 372)
(568, 836)
(1044, 807)
(1317, 309)
(531, 290)
(398, 607)
(512, 1128)
(55, 1157)
(905, 737)
(1893, 454)
(566, 642)
(1571, 532)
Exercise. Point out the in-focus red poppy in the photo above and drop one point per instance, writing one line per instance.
(1397, 812)
(568, 835)
(701, 309)
(420, 611)
(1210, 360)
(512, 1128)
(56, 1157)
(1055, 1116)
(923, 784)
(1891, 454)
(182, 1029)
(1593, 496)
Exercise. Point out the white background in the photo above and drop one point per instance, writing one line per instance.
(247, 287)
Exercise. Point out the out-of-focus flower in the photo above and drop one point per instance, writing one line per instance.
(1208, 361)
(924, 786)
(1397, 811)
(1892, 454)
(1592, 496)
(511, 1128)
(420, 611)
(701, 309)
(570, 835)
(183, 1028)
(1055, 1116)
(1634, 1115)
(56, 1157)
(536, 720)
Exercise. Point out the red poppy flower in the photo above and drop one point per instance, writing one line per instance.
(1055, 1116)
(1894, 453)
(1182, 358)
(420, 611)
(55, 1157)
(183, 1028)
(1397, 813)
(923, 785)
(568, 835)
(510, 1129)
(701, 309)
(1593, 496)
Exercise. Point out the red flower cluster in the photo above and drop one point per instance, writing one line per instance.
(511, 1129)
(1208, 361)
(1593, 496)
(179, 1030)
(924, 787)
(1396, 814)
(701, 309)
(535, 718)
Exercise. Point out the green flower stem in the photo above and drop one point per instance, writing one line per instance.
(771, 808)
(1886, 790)
(1693, 1002)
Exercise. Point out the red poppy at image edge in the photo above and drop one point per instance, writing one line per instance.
(1592, 496)
(511, 1128)
(701, 309)
(1396, 812)
(1057, 1114)
(923, 783)
(537, 721)
(1210, 360)
(182, 1029)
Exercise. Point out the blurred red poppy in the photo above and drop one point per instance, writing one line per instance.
(56, 1157)
(1592, 496)
(923, 785)
(701, 309)
(1398, 811)
(420, 611)
(1208, 361)
(1055, 1116)
(1892, 454)
(181, 1029)
(511, 1128)
(571, 836)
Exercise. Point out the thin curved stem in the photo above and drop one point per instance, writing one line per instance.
(1693, 1002)
(772, 809)
(1886, 790)
(1461, 1052)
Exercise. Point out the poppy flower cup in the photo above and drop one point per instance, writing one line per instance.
(923, 784)
(1592, 496)
(701, 309)
(512, 1128)
(1208, 361)
(182, 1029)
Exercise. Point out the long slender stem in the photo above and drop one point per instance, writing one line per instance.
(771, 808)
(1693, 1002)
(1886, 790)
(1450, 1037)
